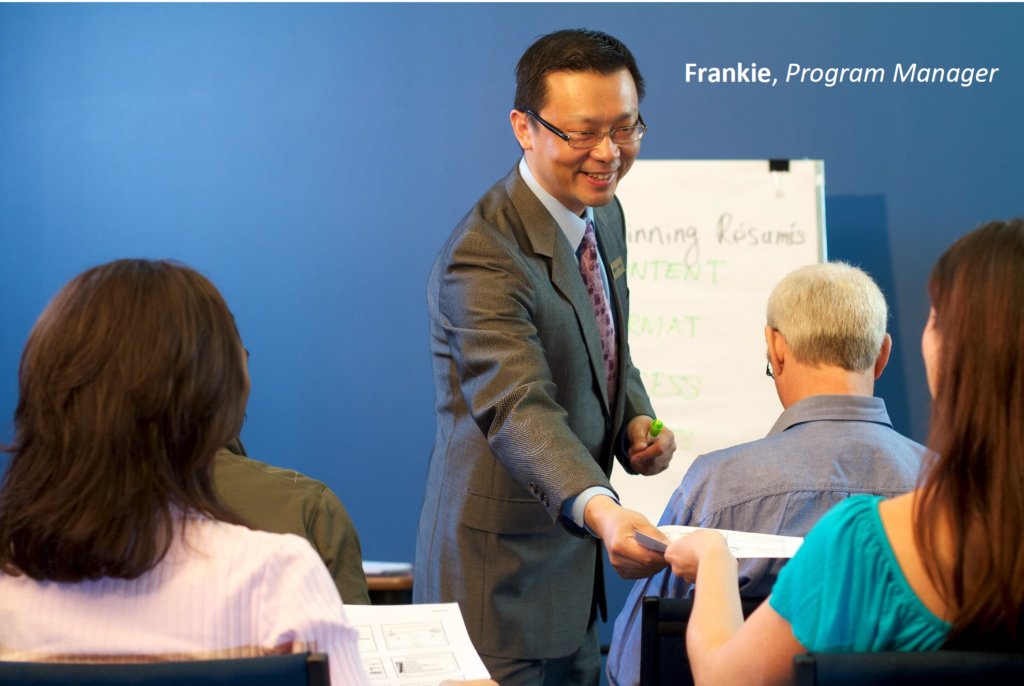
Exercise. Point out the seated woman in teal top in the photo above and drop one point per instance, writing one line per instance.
(845, 592)
(938, 567)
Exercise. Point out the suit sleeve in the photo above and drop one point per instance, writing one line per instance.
(487, 307)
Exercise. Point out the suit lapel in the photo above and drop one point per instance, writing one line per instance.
(547, 240)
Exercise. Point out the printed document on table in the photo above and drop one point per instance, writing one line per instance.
(415, 645)
(741, 543)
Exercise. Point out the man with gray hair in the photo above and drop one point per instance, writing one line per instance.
(827, 345)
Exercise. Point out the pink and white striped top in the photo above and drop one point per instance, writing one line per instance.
(223, 591)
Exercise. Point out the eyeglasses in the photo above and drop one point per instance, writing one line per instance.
(768, 371)
(584, 140)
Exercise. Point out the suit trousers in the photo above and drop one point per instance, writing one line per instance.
(581, 668)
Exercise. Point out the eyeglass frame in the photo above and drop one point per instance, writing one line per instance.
(567, 135)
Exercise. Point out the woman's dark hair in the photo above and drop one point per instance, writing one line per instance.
(975, 479)
(131, 380)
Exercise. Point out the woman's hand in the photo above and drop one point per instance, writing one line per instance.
(685, 554)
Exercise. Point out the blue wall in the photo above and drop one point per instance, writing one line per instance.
(311, 159)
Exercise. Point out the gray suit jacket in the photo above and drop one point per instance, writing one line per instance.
(523, 424)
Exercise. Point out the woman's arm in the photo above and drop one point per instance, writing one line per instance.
(722, 648)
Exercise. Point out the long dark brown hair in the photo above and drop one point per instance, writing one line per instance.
(975, 480)
(130, 381)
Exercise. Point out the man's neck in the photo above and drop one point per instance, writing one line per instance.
(805, 381)
(571, 224)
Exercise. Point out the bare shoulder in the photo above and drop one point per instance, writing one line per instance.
(897, 515)
(900, 503)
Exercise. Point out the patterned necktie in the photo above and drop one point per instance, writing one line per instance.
(590, 268)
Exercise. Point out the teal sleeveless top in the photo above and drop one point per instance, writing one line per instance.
(844, 591)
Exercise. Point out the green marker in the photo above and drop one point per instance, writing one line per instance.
(652, 433)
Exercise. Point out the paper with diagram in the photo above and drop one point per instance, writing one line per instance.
(415, 645)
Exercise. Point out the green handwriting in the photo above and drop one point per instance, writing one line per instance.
(671, 270)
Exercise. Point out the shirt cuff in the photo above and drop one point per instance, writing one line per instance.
(574, 508)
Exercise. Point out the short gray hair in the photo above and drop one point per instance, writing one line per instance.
(831, 313)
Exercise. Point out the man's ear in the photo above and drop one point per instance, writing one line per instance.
(521, 128)
(777, 349)
(883, 356)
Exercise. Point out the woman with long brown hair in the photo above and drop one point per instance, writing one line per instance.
(938, 567)
(113, 544)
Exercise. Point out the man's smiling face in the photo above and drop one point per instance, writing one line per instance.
(580, 101)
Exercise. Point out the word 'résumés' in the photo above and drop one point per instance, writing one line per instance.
(830, 77)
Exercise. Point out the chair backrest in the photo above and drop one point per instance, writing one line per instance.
(937, 668)
(299, 669)
(663, 623)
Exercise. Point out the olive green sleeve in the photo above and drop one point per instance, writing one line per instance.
(334, 536)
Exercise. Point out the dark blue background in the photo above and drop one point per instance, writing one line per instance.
(311, 159)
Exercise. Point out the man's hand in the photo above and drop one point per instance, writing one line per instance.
(649, 459)
(615, 526)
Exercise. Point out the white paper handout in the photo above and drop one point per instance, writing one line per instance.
(415, 645)
(741, 543)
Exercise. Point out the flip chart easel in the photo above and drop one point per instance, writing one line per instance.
(707, 241)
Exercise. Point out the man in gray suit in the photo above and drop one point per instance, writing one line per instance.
(535, 389)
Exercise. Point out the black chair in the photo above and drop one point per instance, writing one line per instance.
(299, 669)
(937, 668)
(663, 623)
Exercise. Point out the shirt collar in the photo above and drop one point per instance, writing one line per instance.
(854, 408)
(572, 225)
